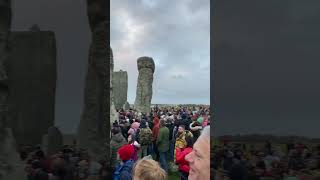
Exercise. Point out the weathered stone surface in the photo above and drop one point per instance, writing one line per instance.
(120, 88)
(32, 74)
(126, 106)
(10, 165)
(55, 140)
(143, 99)
(113, 113)
(94, 128)
(44, 144)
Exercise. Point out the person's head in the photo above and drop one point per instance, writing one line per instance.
(162, 123)
(143, 123)
(125, 152)
(39, 154)
(189, 141)
(199, 158)
(181, 128)
(148, 169)
(28, 168)
(115, 130)
(130, 139)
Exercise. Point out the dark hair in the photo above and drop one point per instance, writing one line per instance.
(143, 123)
(183, 126)
(189, 141)
(40, 154)
(162, 123)
(36, 164)
(132, 138)
(115, 130)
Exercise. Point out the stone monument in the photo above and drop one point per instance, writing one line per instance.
(32, 83)
(120, 88)
(94, 127)
(126, 106)
(143, 99)
(113, 113)
(11, 168)
(55, 140)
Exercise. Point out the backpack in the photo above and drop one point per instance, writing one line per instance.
(145, 136)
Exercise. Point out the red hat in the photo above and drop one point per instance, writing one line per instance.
(125, 152)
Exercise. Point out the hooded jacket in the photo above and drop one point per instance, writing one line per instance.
(116, 142)
(123, 172)
(180, 159)
(155, 129)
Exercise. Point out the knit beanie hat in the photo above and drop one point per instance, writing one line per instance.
(125, 152)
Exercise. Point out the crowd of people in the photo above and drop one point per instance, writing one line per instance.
(165, 134)
(238, 161)
(143, 146)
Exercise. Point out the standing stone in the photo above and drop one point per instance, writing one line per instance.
(126, 106)
(120, 88)
(44, 144)
(113, 112)
(146, 69)
(55, 140)
(94, 127)
(33, 75)
(11, 167)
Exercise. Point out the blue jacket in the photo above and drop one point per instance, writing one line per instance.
(124, 172)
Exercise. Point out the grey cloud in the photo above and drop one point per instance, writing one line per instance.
(176, 36)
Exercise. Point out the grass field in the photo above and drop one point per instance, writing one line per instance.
(173, 176)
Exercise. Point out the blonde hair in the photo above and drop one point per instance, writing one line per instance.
(148, 169)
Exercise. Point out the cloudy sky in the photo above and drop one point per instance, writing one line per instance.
(266, 58)
(176, 34)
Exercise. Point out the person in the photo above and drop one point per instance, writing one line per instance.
(134, 127)
(124, 168)
(181, 138)
(117, 140)
(170, 126)
(148, 169)
(144, 138)
(136, 146)
(195, 128)
(155, 132)
(83, 170)
(199, 158)
(163, 144)
(180, 158)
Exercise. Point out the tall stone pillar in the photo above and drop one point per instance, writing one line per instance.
(10, 165)
(94, 128)
(32, 77)
(120, 88)
(55, 140)
(113, 113)
(143, 99)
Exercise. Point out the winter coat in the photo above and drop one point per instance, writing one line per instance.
(170, 126)
(155, 131)
(163, 139)
(136, 147)
(181, 140)
(195, 128)
(124, 172)
(116, 142)
(180, 159)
